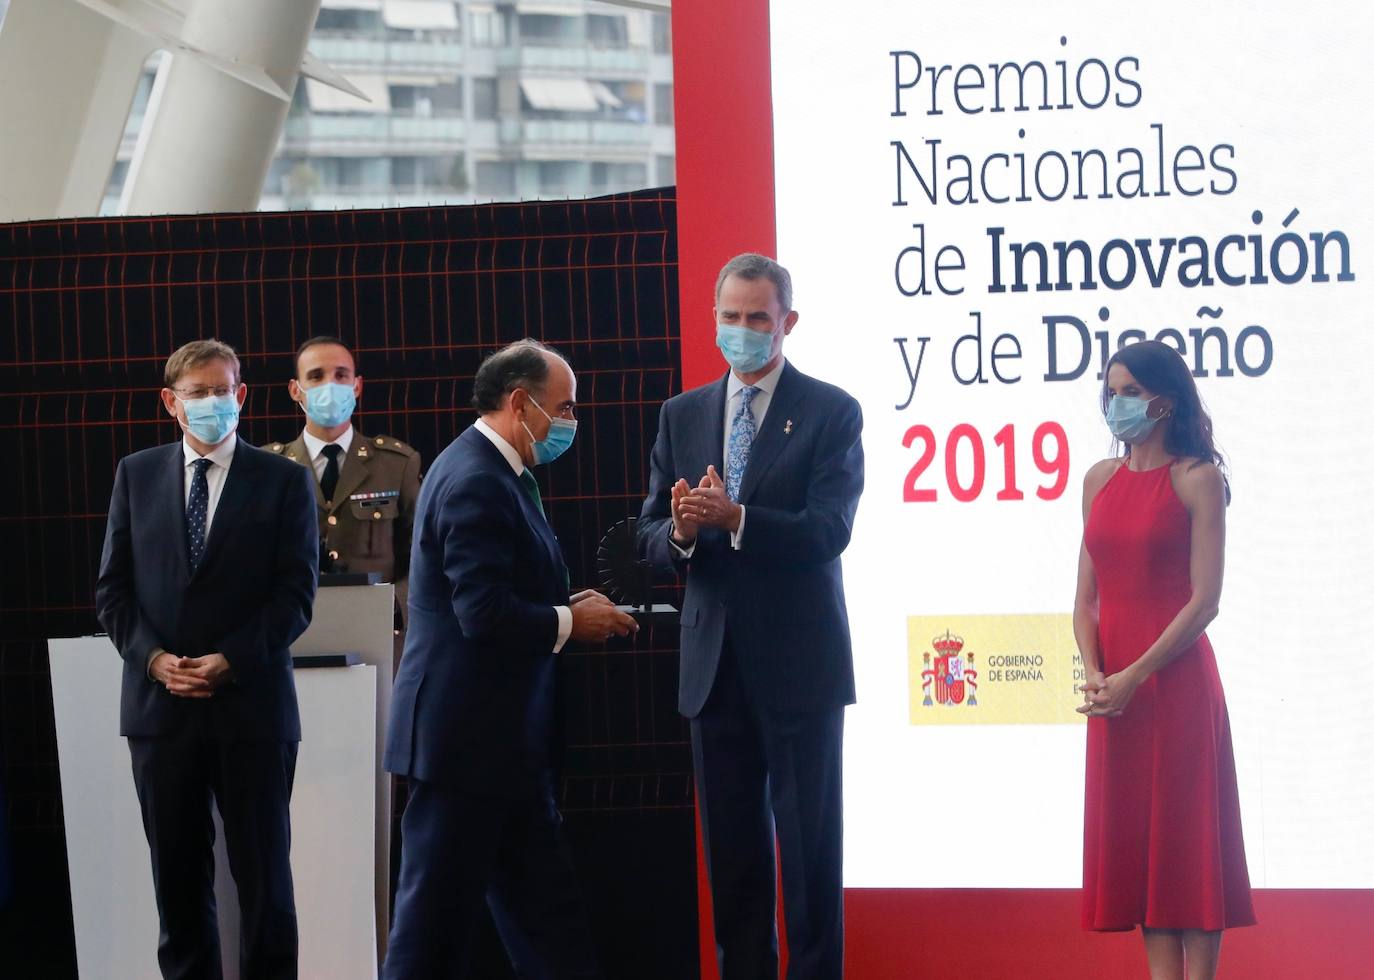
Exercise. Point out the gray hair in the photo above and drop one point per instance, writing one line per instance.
(523, 364)
(752, 265)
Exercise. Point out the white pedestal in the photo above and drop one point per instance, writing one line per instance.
(340, 804)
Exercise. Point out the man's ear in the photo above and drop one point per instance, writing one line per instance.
(789, 321)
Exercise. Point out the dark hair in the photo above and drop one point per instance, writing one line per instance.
(317, 342)
(1161, 368)
(523, 364)
(750, 266)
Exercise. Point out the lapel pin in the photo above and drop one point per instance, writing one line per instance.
(362, 452)
(787, 429)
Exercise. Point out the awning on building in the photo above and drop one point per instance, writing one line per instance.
(605, 96)
(420, 15)
(323, 98)
(561, 94)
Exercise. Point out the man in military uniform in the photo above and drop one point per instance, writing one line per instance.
(365, 486)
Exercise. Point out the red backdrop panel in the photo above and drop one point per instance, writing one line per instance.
(723, 108)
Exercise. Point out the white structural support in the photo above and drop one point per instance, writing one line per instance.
(67, 79)
(208, 138)
(68, 72)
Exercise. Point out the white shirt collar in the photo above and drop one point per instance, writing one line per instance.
(507, 450)
(316, 446)
(221, 455)
(768, 383)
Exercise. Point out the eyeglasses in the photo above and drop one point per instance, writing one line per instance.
(191, 394)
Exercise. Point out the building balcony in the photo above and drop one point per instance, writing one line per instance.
(601, 62)
(564, 134)
(397, 56)
(318, 133)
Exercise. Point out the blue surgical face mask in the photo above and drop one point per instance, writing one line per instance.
(744, 350)
(1127, 418)
(556, 443)
(211, 419)
(330, 404)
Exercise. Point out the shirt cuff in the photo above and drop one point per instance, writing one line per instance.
(681, 551)
(737, 535)
(157, 652)
(564, 626)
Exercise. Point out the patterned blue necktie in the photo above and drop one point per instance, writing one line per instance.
(197, 505)
(742, 430)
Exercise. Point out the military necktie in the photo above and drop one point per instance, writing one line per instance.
(742, 430)
(330, 478)
(197, 507)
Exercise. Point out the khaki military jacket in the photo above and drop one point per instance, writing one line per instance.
(366, 527)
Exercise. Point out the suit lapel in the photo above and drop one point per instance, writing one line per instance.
(352, 471)
(538, 522)
(172, 500)
(783, 409)
(238, 486)
(714, 452)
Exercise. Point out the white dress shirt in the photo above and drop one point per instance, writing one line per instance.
(315, 447)
(220, 458)
(766, 385)
(518, 466)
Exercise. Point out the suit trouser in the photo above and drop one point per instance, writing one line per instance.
(761, 776)
(459, 849)
(176, 777)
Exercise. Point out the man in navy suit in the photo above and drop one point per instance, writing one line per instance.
(472, 705)
(777, 468)
(207, 576)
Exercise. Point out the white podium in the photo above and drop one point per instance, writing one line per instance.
(340, 803)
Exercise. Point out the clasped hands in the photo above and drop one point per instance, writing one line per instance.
(704, 505)
(190, 677)
(1107, 697)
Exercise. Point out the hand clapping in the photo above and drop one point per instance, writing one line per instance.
(705, 505)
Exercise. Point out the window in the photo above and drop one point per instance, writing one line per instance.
(488, 28)
(663, 103)
(484, 98)
(663, 37)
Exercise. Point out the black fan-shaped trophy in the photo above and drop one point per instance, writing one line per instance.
(625, 579)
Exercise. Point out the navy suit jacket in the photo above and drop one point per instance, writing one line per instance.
(250, 598)
(781, 596)
(472, 704)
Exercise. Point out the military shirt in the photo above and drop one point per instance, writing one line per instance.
(366, 526)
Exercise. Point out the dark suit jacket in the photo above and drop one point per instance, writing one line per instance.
(472, 704)
(250, 598)
(781, 595)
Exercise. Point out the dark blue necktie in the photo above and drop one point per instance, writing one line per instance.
(197, 507)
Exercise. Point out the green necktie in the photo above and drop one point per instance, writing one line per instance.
(531, 486)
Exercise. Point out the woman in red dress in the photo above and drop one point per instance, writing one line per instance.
(1162, 842)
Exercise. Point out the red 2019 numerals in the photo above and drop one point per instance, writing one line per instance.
(967, 486)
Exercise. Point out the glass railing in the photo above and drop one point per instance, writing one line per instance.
(375, 129)
(381, 53)
(574, 131)
(542, 57)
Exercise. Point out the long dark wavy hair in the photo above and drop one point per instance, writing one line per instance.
(1161, 369)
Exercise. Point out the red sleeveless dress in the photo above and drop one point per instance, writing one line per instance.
(1162, 842)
